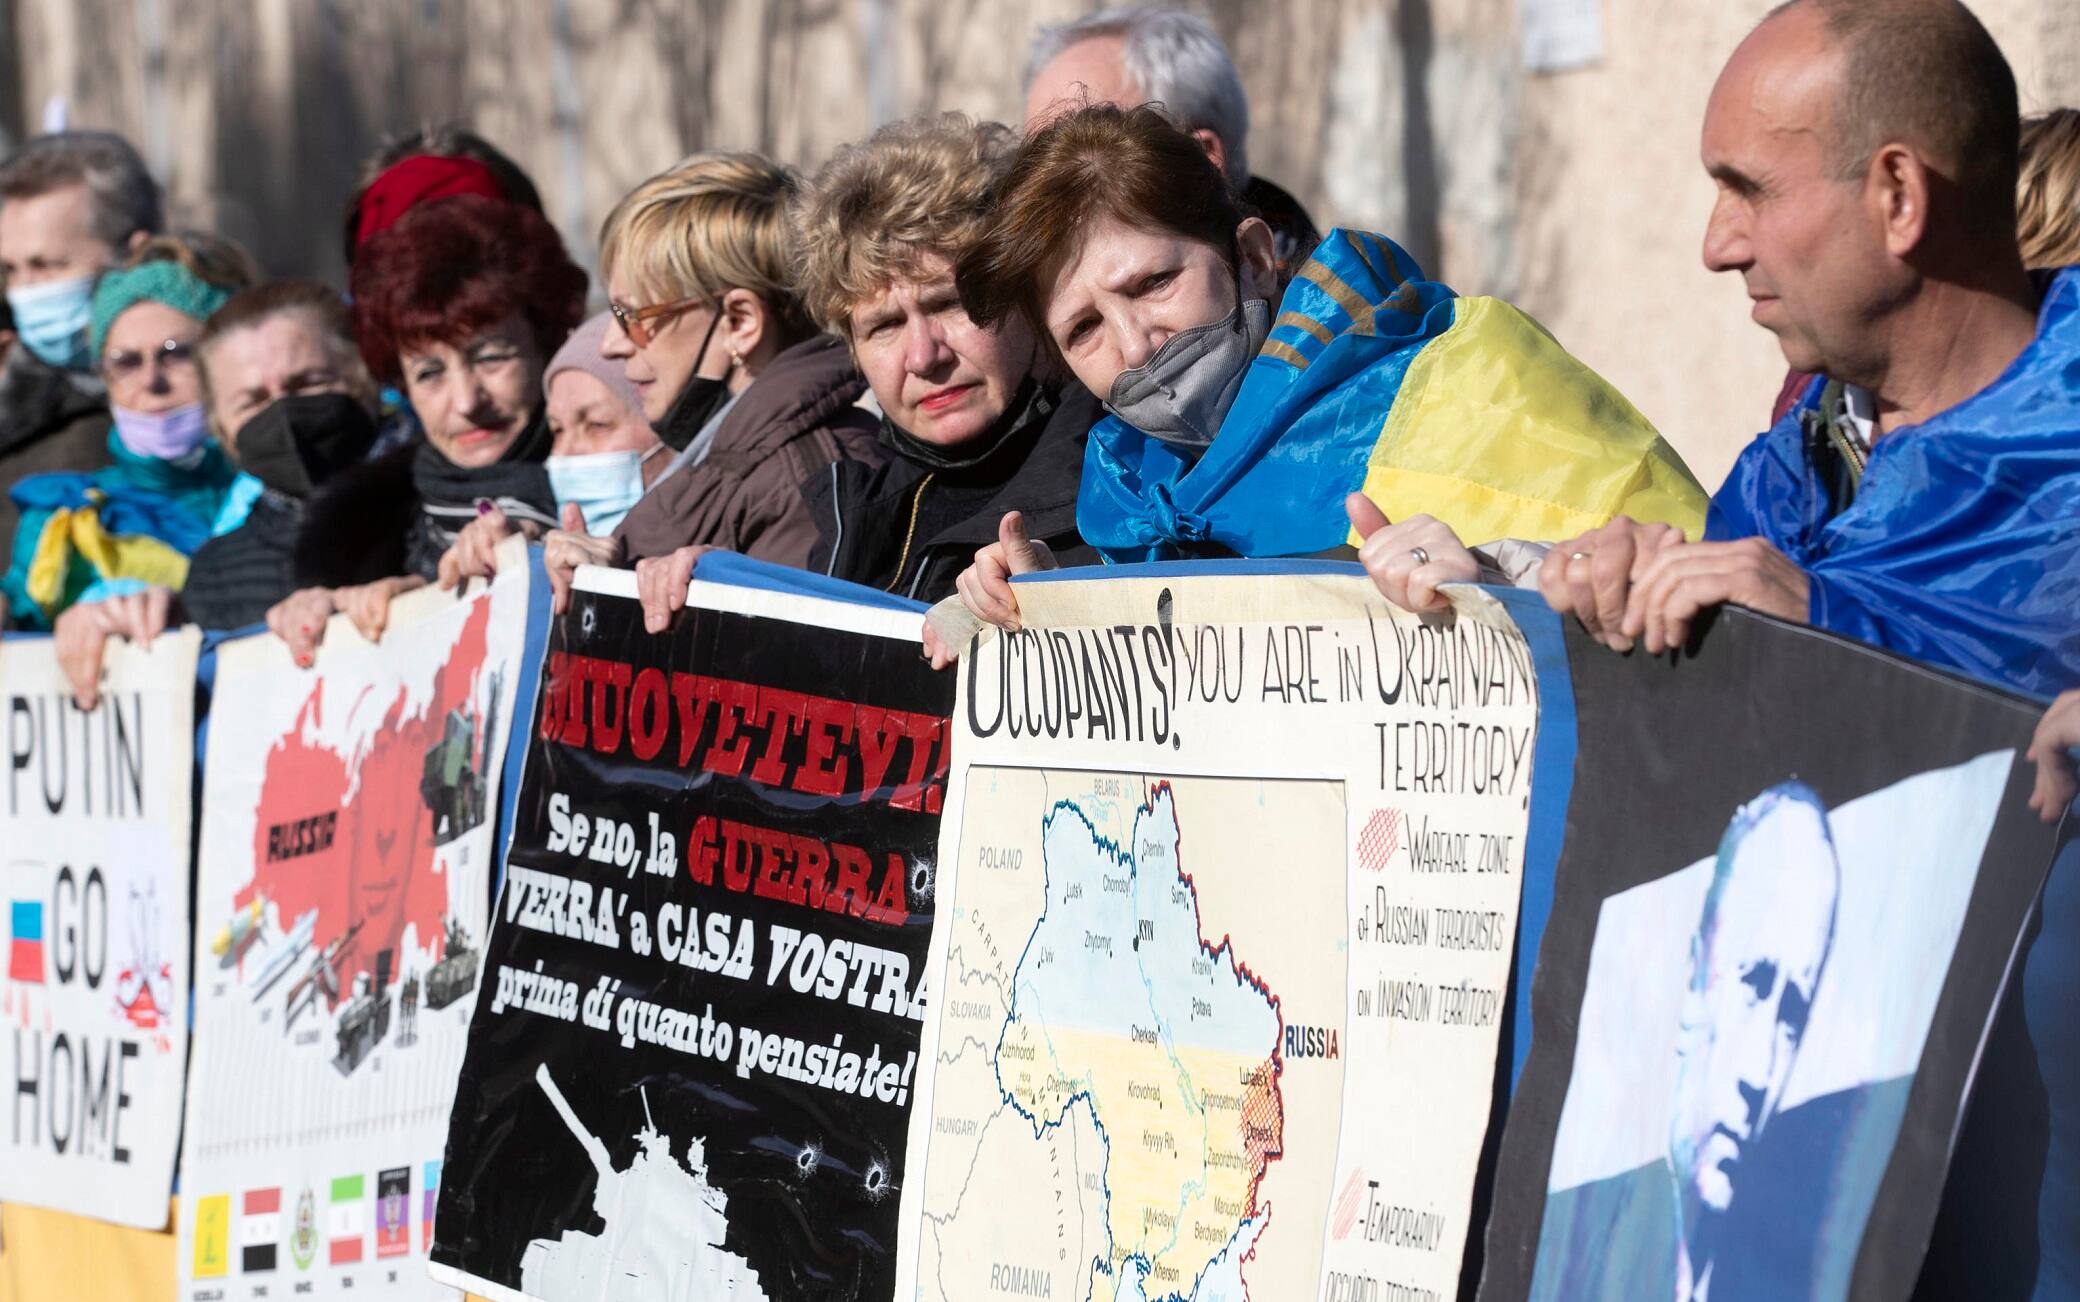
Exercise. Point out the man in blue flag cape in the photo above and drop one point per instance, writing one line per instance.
(1924, 493)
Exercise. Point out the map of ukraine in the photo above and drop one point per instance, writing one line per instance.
(1121, 1005)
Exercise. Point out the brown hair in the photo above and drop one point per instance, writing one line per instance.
(916, 187)
(317, 303)
(1102, 161)
(207, 257)
(714, 223)
(126, 198)
(2047, 195)
(1926, 73)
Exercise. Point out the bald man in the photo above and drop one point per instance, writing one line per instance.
(1924, 493)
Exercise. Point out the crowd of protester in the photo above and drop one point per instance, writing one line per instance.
(957, 351)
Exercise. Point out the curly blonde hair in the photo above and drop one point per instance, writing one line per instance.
(220, 261)
(2047, 194)
(715, 222)
(878, 208)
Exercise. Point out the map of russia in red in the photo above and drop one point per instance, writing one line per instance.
(378, 868)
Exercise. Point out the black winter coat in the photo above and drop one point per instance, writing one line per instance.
(864, 513)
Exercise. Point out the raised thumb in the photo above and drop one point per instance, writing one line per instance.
(573, 519)
(1020, 556)
(1366, 517)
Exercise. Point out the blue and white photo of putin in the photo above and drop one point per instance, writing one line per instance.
(1756, 964)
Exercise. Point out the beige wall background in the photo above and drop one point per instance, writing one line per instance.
(1577, 194)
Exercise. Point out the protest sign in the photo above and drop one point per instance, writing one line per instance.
(94, 843)
(1230, 882)
(1795, 875)
(692, 1063)
(347, 825)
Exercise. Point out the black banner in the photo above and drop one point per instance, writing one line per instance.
(1793, 881)
(695, 1045)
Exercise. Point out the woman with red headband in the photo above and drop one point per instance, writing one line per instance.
(462, 302)
(429, 163)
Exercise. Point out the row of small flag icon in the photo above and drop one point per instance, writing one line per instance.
(262, 1232)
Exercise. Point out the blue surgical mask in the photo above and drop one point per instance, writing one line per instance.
(162, 435)
(603, 485)
(52, 319)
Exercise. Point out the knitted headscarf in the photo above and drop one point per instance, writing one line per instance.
(581, 353)
(152, 282)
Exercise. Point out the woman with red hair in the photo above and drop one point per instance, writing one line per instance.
(461, 303)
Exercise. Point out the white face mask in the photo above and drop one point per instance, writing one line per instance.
(603, 485)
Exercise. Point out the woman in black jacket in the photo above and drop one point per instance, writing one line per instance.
(976, 420)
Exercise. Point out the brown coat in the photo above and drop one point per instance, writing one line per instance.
(793, 421)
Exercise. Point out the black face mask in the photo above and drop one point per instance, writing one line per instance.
(696, 404)
(1028, 410)
(302, 440)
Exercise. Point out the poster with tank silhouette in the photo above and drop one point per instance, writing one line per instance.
(1768, 974)
(694, 1053)
(94, 852)
(346, 853)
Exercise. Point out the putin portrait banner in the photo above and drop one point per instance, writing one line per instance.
(1789, 897)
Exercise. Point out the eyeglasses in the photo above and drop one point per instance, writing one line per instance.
(635, 321)
(125, 363)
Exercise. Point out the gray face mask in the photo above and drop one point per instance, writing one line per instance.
(1181, 394)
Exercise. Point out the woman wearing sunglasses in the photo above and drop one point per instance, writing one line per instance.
(734, 378)
(83, 537)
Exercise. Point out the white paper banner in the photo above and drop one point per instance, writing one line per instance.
(94, 834)
(348, 818)
(1227, 898)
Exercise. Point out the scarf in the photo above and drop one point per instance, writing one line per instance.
(450, 496)
(1024, 416)
(1376, 380)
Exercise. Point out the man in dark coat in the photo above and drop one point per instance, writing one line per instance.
(71, 205)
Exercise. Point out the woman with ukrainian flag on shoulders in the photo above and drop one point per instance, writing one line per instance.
(88, 536)
(1368, 394)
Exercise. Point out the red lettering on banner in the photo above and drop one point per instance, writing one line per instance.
(649, 715)
(781, 712)
(797, 870)
(823, 770)
(775, 737)
(610, 680)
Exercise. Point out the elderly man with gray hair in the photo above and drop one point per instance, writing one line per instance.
(71, 205)
(1152, 54)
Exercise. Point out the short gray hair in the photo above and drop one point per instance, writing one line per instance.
(1177, 60)
(125, 197)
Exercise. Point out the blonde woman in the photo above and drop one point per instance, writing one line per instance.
(711, 332)
(975, 418)
(2047, 191)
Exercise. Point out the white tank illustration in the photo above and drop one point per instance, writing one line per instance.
(664, 1228)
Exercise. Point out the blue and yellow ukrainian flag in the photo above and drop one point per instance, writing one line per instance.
(1378, 380)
